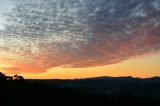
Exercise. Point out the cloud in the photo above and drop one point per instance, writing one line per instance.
(79, 33)
(16, 70)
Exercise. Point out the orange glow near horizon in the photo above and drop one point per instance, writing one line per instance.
(144, 66)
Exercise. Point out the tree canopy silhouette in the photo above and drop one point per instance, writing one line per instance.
(3, 77)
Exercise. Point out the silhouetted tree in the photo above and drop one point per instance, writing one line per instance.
(2, 76)
(20, 78)
(16, 77)
(9, 77)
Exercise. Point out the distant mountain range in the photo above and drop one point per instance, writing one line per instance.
(125, 77)
(110, 85)
(107, 78)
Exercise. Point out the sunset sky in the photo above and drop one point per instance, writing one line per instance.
(69, 39)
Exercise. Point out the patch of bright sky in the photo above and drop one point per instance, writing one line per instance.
(5, 6)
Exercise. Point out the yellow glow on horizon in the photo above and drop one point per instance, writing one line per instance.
(144, 66)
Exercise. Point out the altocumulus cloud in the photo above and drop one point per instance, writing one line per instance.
(79, 33)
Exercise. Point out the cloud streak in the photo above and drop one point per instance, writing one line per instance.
(79, 33)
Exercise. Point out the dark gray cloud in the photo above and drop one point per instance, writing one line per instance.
(80, 33)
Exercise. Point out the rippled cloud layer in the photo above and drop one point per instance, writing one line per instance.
(42, 34)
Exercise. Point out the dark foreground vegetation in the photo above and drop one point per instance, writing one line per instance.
(17, 91)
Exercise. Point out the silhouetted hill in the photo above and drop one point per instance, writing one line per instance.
(149, 87)
(99, 91)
